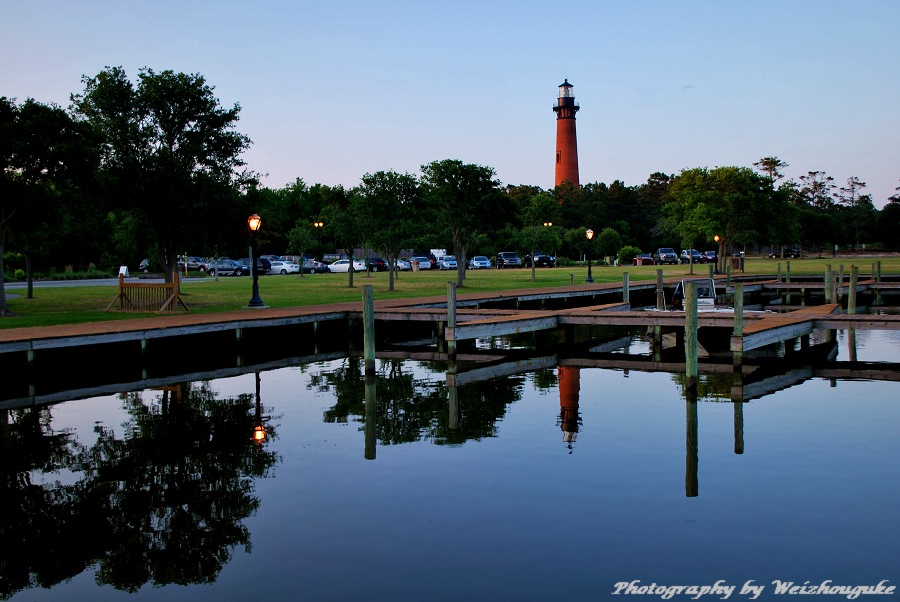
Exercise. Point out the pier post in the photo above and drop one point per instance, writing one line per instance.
(787, 280)
(851, 301)
(840, 285)
(660, 305)
(829, 285)
(738, 356)
(690, 335)
(451, 316)
(728, 275)
(625, 292)
(712, 271)
(878, 281)
(368, 298)
(660, 294)
(779, 272)
(571, 279)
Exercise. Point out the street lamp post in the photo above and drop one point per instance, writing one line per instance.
(718, 253)
(254, 223)
(318, 225)
(590, 235)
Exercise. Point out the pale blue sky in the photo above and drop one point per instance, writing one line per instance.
(332, 90)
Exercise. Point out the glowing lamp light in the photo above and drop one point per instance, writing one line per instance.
(254, 221)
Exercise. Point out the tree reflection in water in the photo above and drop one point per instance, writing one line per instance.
(161, 504)
(416, 410)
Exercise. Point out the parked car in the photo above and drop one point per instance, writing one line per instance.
(424, 262)
(508, 259)
(313, 266)
(541, 260)
(711, 256)
(666, 255)
(376, 264)
(195, 264)
(686, 256)
(643, 259)
(789, 252)
(402, 265)
(448, 262)
(145, 265)
(285, 267)
(263, 265)
(479, 262)
(343, 265)
(226, 267)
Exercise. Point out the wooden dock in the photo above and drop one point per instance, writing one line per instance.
(477, 316)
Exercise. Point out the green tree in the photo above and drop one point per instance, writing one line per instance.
(608, 242)
(170, 151)
(467, 199)
(45, 157)
(389, 201)
(771, 166)
(735, 203)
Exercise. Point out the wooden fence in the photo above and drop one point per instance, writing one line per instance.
(141, 296)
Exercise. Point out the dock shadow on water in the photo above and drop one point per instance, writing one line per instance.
(523, 465)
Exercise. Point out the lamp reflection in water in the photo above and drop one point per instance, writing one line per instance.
(569, 389)
(259, 429)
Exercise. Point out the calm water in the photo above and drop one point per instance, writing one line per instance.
(163, 495)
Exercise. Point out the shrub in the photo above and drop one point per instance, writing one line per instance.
(627, 254)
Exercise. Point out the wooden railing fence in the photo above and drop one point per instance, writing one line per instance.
(144, 296)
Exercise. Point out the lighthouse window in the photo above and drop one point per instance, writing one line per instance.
(558, 156)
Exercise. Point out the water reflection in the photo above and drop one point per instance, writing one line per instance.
(166, 500)
(162, 503)
(569, 416)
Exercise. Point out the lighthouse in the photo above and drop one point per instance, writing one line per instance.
(566, 143)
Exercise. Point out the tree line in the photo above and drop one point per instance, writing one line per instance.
(152, 167)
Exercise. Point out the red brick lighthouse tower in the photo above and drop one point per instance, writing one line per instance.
(566, 144)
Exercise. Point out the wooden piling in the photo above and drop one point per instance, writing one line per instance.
(851, 301)
(660, 293)
(660, 305)
(625, 291)
(690, 335)
(840, 284)
(368, 298)
(712, 271)
(738, 356)
(451, 315)
(829, 285)
(878, 280)
(779, 272)
(728, 275)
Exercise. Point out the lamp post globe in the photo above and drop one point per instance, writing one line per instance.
(254, 222)
(589, 235)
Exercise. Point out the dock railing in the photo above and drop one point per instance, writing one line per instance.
(145, 296)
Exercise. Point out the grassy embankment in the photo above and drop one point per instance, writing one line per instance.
(76, 304)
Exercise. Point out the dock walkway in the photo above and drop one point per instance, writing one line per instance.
(477, 315)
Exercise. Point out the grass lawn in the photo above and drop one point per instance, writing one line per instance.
(77, 304)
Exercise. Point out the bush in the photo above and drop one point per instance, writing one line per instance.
(627, 254)
(20, 274)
